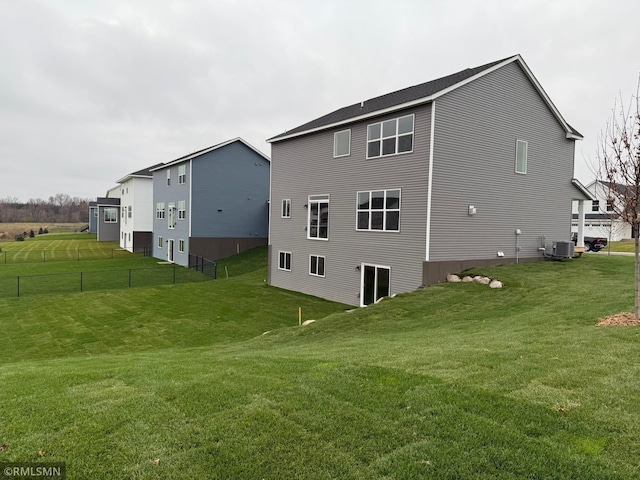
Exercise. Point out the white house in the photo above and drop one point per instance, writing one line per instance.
(600, 218)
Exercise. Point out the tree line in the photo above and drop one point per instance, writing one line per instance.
(60, 208)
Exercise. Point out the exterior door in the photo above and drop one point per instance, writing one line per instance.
(375, 283)
(170, 250)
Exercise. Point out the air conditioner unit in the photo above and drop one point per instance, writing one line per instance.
(563, 249)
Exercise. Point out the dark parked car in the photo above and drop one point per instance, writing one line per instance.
(591, 243)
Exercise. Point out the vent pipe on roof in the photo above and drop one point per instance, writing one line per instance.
(361, 104)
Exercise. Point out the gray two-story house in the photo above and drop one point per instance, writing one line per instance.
(390, 194)
(212, 203)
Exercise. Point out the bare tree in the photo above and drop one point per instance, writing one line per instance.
(619, 170)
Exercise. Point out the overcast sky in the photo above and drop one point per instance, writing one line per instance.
(91, 90)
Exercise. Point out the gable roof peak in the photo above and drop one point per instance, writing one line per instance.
(415, 95)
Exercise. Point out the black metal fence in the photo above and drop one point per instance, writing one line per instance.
(203, 265)
(66, 255)
(97, 280)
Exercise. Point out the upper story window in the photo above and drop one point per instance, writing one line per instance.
(609, 207)
(286, 208)
(171, 217)
(182, 210)
(378, 210)
(595, 206)
(182, 174)
(160, 210)
(110, 215)
(342, 143)
(318, 221)
(521, 156)
(168, 177)
(390, 137)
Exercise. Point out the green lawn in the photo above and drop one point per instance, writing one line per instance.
(216, 380)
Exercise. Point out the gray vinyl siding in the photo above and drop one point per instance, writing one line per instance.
(305, 166)
(173, 193)
(476, 128)
(235, 180)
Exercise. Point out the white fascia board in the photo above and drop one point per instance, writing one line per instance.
(576, 183)
(210, 149)
(419, 101)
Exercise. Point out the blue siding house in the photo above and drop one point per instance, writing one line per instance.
(392, 193)
(212, 203)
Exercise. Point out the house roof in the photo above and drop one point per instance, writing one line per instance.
(416, 95)
(106, 201)
(583, 190)
(144, 173)
(207, 150)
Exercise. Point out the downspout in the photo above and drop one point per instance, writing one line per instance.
(430, 181)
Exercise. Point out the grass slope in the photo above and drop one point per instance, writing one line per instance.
(455, 381)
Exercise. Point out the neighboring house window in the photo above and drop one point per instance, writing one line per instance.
(130, 211)
(122, 212)
(284, 261)
(609, 207)
(182, 210)
(390, 137)
(159, 242)
(595, 206)
(168, 177)
(172, 215)
(182, 174)
(521, 156)
(378, 210)
(110, 215)
(342, 143)
(129, 237)
(316, 265)
(181, 246)
(160, 210)
(286, 208)
(318, 222)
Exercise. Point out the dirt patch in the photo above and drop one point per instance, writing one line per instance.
(620, 320)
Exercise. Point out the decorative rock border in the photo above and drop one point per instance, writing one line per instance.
(493, 283)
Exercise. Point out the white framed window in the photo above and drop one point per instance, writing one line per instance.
(95, 212)
(159, 242)
(168, 177)
(286, 208)
(521, 156)
(130, 211)
(122, 212)
(160, 210)
(375, 283)
(609, 207)
(318, 219)
(110, 215)
(342, 143)
(181, 246)
(284, 261)
(316, 265)
(171, 217)
(182, 174)
(595, 206)
(129, 236)
(182, 210)
(390, 137)
(378, 210)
